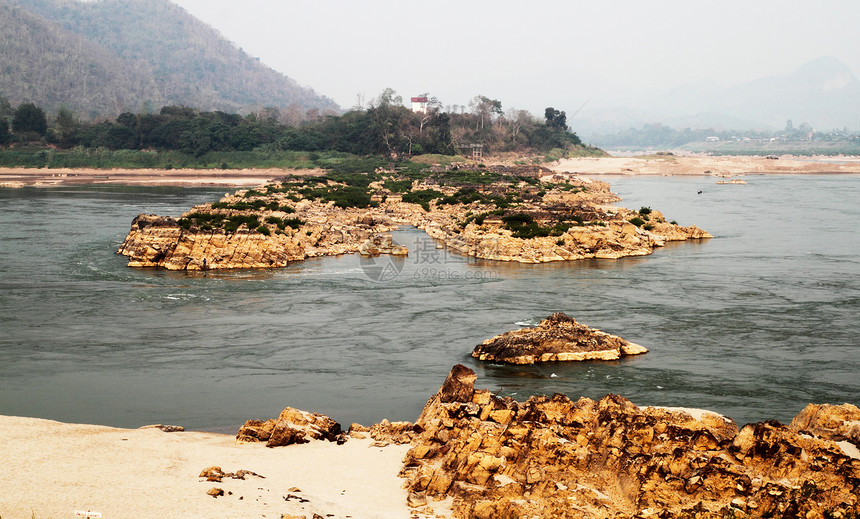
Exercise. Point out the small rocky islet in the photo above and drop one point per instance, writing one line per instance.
(526, 214)
(558, 338)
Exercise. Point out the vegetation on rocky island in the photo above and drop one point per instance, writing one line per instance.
(514, 196)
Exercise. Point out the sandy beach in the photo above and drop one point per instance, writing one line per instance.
(655, 165)
(723, 166)
(54, 469)
(20, 177)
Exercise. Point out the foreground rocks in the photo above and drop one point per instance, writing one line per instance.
(557, 338)
(555, 457)
(292, 426)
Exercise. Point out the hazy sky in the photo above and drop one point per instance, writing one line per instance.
(532, 54)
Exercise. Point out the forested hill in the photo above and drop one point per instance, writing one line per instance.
(111, 56)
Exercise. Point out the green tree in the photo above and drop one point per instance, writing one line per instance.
(388, 97)
(5, 107)
(484, 108)
(556, 120)
(5, 136)
(67, 127)
(30, 118)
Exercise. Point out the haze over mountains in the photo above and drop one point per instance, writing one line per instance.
(111, 56)
(824, 93)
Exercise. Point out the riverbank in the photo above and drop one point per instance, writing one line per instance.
(469, 454)
(721, 166)
(55, 469)
(665, 165)
(21, 177)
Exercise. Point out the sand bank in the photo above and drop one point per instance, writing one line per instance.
(20, 177)
(53, 469)
(665, 165)
(724, 166)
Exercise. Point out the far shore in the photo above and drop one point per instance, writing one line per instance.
(717, 166)
(660, 165)
(43, 177)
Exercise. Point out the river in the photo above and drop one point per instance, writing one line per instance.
(754, 324)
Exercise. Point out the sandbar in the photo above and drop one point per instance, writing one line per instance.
(53, 470)
(720, 166)
(667, 165)
(42, 177)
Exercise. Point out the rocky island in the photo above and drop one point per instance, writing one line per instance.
(557, 338)
(527, 214)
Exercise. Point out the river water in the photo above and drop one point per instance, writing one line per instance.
(755, 323)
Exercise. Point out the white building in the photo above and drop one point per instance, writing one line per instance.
(419, 104)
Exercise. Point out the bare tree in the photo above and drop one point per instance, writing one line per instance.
(484, 108)
(517, 119)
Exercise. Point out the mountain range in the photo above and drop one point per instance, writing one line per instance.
(823, 92)
(110, 56)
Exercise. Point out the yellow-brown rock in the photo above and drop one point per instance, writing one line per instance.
(319, 228)
(554, 457)
(557, 338)
(291, 426)
(833, 422)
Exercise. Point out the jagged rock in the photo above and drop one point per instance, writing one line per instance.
(164, 428)
(837, 423)
(416, 499)
(215, 492)
(459, 385)
(393, 432)
(557, 338)
(381, 244)
(291, 426)
(555, 457)
(358, 431)
(213, 473)
(255, 431)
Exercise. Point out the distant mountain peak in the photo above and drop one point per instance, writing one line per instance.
(825, 74)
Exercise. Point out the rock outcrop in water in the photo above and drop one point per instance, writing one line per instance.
(557, 338)
(159, 241)
(555, 457)
(525, 216)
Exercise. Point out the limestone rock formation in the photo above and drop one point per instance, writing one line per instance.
(159, 241)
(291, 426)
(381, 244)
(557, 338)
(837, 423)
(555, 457)
(385, 432)
(559, 220)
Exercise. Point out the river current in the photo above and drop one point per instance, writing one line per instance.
(754, 324)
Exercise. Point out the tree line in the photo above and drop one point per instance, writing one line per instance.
(658, 135)
(384, 127)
